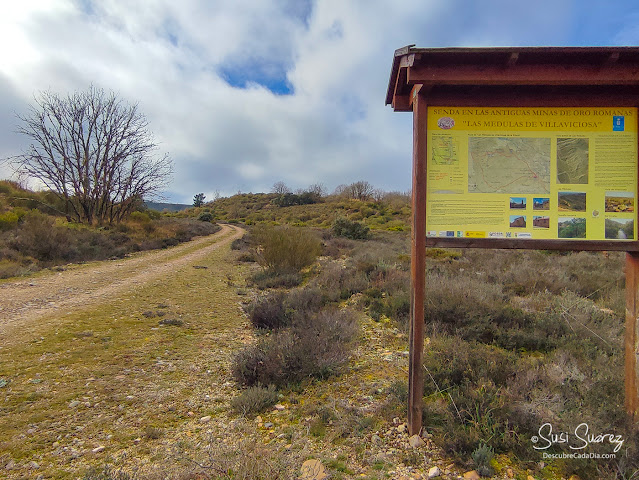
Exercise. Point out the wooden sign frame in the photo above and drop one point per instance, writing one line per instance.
(572, 77)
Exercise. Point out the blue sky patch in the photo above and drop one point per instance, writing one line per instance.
(270, 77)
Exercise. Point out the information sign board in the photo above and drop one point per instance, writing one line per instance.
(532, 173)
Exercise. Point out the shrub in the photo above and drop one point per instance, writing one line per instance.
(340, 282)
(304, 300)
(240, 243)
(39, 237)
(314, 346)
(269, 312)
(9, 220)
(11, 268)
(254, 400)
(286, 249)
(268, 279)
(246, 257)
(140, 217)
(205, 217)
(107, 473)
(482, 457)
(289, 199)
(343, 227)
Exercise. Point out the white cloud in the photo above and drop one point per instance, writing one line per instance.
(175, 58)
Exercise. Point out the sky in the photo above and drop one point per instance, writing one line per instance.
(245, 93)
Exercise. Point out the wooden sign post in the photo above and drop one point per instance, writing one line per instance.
(418, 266)
(498, 121)
(632, 335)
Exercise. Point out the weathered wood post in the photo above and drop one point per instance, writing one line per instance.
(632, 334)
(418, 266)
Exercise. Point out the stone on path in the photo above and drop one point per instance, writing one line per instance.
(416, 441)
(434, 472)
(313, 470)
(472, 475)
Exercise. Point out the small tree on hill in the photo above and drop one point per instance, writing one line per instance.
(361, 190)
(280, 188)
(198, 200)
(94, 151)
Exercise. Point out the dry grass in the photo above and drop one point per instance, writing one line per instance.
(105, 376)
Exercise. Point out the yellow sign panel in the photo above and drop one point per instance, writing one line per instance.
(532, 173)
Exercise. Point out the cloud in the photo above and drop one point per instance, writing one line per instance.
(245, 93)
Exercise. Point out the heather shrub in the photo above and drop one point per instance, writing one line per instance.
(340, 281)
(272, 279)
(467, 398)
(268, 312)
(241, 243)
(304, 300)
(286, 249)
(40, 238)
(314, 346)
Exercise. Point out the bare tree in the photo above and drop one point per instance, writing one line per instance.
(378, 195)
(317, 189)
(280, 188)
(94, 151)
(341, 190)
(360, 190)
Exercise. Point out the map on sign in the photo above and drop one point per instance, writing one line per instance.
(445, 151)
(572, 160)
(508, 165)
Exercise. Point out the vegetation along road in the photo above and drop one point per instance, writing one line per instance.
(39, 299)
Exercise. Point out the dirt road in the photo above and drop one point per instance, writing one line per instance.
(80, 286)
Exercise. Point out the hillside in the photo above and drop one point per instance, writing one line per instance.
(391, 212)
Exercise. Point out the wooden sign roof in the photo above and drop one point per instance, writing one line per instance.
(513, 75)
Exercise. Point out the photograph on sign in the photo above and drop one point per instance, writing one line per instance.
(532, 173)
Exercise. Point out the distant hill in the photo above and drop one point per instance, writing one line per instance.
(171, 207)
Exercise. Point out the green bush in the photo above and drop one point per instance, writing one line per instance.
(205, 217)
(10, 219)
(286, 249)
(254, 400)
(140, 217)
(482, 457)
(342, 227)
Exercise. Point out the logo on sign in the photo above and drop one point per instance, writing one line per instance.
(445, 123)
(618, 123)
